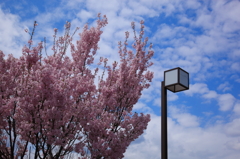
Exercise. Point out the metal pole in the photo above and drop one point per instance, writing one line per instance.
(164, 122)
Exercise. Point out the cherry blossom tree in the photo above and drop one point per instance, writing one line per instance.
(56, 105)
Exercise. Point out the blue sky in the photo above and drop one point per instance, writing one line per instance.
(202, 37)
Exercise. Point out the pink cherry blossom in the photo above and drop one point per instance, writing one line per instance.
(52, 106)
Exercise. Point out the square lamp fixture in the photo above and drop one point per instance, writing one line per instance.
(176, 79)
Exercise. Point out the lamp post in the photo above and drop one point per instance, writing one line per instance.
(175, 80)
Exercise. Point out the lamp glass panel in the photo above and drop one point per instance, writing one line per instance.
(171, 77)
(184, 78)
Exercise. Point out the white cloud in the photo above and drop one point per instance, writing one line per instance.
(140, 9)
(73, 4)
(237, 107)
(142, 107)
(210, 95)
(148, 145)
(12, 33)
(139, 106)
(188, 141)
(235, 145)
(226, 101)
(103, 6)
(184, 119)
(85, 15)
(236, 66)
(235, 54)
(157, 102)
(172, 96)
(233, 128)
(198, 88)
(226, 13)
(224, 87)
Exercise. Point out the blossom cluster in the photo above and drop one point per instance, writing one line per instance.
(53, 103)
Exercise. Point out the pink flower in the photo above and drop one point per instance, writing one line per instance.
(30, 41)
(57, 101)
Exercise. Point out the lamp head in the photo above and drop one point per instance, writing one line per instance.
(176, 79)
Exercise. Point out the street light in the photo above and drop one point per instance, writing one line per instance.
(175, 80)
